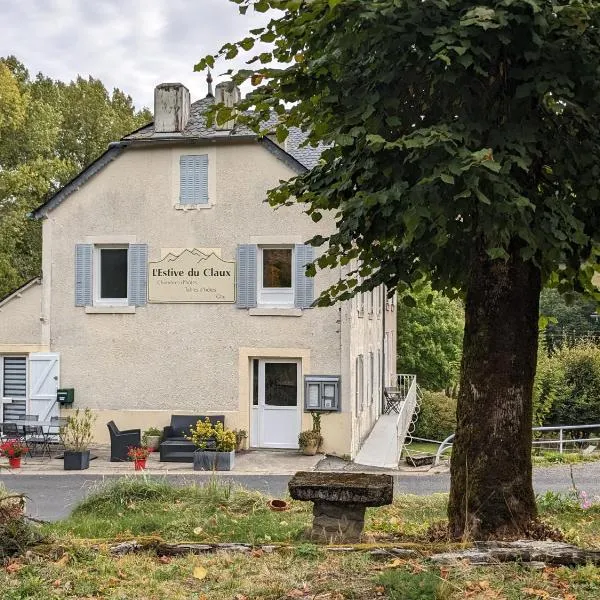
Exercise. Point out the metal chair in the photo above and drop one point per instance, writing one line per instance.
(55, 439)
(393, 400)
(10, 431)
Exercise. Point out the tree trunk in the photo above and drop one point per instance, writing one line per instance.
(491, 492)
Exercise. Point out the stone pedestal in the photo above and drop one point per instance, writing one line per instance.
(336, 521)
(340, 500)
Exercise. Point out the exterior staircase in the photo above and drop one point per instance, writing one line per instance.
(383, 446)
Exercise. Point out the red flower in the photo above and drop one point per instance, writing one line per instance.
(12, 449)
(138, 452)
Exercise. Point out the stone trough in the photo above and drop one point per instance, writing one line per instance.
(340, 500)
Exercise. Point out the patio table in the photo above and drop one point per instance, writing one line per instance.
(46, 432)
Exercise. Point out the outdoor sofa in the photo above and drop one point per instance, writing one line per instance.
(175, 447)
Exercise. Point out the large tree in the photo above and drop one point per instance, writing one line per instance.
(49, 130)
(463, 146)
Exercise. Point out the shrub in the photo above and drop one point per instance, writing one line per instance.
(437, 419)
(567, 386)
(16, 534)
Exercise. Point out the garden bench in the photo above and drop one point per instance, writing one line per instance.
(339, 501)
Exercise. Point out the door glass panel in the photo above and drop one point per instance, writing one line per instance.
(281, 384)
(277, 267)
(113, 273)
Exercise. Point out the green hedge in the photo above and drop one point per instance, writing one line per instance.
(567, 386)
(437, 419)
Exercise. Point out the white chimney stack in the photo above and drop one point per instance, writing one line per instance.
(227, 93)
(171, 107)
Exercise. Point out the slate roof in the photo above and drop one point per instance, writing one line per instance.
(196, 129)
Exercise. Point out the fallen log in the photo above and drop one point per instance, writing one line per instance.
(526, 551)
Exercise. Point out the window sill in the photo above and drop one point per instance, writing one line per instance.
(275, 312)
(102, 310)
(192, 206)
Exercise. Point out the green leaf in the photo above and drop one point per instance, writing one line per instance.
(409, 301)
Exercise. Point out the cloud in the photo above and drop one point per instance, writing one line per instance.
(132, 44)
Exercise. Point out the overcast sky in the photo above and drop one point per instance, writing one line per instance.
(129, 44)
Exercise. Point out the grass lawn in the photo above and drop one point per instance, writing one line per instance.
(75, 563)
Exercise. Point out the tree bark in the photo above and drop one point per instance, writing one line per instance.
(491, 492)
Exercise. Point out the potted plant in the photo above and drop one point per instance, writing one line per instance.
(309, 442)
(311, 439)
(240, 439)
(151, 438)
(215, 446)
(77, 437)
(139, 455)
(13, 450)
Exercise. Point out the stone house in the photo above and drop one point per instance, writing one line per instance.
(169, 286)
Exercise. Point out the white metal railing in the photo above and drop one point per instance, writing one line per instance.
(406, 384)
(561, 441)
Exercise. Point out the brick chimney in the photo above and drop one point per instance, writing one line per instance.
(171, 107)
(228, 94)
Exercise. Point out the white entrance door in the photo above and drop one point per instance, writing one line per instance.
(276, 414)
(43, 384)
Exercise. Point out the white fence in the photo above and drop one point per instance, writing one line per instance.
(561, 441)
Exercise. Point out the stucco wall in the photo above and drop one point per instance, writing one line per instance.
(20, 323)
(363, 328)
(175, 357)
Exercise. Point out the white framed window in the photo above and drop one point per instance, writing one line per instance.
(276, 276)
(13, 381)
(111, 275)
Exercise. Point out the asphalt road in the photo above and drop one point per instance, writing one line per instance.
(52, 497)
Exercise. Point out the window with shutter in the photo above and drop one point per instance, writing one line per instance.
(193, 179)
(14, 377)
(111, 275)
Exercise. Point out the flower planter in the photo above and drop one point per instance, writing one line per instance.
(152, 442)
(76, 461)
(139, 465)
(209, 460)
(310, 449)
(14, 462)
(278, 505)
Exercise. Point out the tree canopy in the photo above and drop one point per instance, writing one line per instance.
(450, 124)
(461, 146)
(49, 131)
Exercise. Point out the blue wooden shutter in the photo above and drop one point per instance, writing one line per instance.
(138, 274)
(246, 275)
(83, 274)
(193, 179)
(304, 288)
